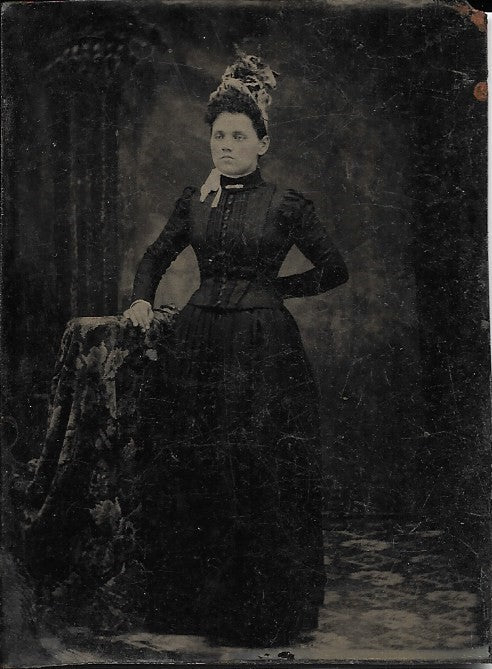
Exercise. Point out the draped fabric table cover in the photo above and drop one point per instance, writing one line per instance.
(80, 519)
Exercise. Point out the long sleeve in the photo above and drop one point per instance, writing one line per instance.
(173, 239)
(312, 239)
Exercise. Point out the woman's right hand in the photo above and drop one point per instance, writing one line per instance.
(140, 314)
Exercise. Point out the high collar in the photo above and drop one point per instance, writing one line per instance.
(250, 180)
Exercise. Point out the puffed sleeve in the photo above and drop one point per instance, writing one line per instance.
(312, 239)
(173, 239)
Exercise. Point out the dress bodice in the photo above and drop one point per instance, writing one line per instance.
(240, 245)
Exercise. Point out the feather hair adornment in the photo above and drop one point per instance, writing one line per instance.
(250, 76)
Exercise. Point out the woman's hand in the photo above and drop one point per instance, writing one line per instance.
(140, 313)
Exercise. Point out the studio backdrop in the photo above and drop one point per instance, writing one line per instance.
(379, 118)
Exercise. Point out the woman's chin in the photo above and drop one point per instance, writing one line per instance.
(229, 169)
(226, 165)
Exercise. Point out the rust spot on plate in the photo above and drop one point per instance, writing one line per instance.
(481, 91)
(477, 17)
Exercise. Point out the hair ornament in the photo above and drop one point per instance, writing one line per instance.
(250, 76)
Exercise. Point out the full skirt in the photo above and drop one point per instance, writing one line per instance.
(232, 492)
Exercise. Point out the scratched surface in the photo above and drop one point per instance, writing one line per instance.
(380, 118)
(392, 593)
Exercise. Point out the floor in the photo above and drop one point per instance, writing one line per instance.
(393, 593)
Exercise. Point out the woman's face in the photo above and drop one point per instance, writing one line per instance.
(234, 144)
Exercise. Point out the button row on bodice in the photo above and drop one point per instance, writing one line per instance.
(221, 253)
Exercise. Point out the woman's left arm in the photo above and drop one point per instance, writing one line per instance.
(312, 239)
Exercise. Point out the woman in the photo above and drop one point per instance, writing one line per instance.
(233, 495)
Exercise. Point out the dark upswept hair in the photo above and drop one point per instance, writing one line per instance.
(235, 102)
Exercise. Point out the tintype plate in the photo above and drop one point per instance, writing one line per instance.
(278, 471)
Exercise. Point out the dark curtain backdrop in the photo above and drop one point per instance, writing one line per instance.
(376, 118)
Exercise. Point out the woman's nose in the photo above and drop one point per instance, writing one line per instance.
(225, 144)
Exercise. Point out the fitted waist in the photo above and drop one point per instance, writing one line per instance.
(236, 293)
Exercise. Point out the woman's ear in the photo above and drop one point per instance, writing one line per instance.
(264, 144)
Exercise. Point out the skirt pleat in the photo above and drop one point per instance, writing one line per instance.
(232, 493)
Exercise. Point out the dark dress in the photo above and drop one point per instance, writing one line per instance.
(233, 489)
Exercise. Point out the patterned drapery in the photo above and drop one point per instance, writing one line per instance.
(79, 513)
